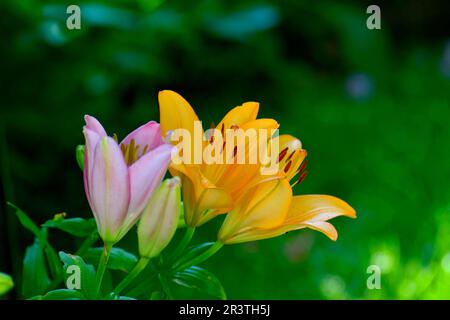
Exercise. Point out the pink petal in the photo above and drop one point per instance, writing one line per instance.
(109, 188)
(148, 134)
(91, 140)
(94, 125)
(145, 175)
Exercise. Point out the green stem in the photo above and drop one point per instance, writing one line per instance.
(138, 268)
(87, 243)
(202, 257)
(102, 267)
(183, 243)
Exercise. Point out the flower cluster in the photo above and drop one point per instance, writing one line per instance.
(123, 185)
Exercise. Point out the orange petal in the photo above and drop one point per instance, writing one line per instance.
(312, 211)
(175, 112)
(240, 115)
(265, 206)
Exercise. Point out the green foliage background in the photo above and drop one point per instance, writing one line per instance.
(370, 106)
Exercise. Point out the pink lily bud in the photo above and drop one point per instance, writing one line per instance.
(160, 218)
(120, 178)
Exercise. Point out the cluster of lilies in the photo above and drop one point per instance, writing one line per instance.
(124, 186)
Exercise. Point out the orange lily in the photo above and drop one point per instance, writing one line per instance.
(210, 189)
(269, 209)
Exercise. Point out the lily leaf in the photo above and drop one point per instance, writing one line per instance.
(77, 227)
(6, 283)
(27, 222)
(119, 259)
(191, 253)
(35, 277)
(79, 274)
(200, 280)
(60, 294)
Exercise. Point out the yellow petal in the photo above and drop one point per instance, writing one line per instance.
(240, 115)
(202, 199)
(312, 211)
(265, 206)
(175, 112)
(212, 202)
(261, 124)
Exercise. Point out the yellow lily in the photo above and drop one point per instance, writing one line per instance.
(268, 209)
(210, 189)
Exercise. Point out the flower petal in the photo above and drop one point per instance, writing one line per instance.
(91, 140)
(240, 115)
(264, 207)
(145, 175)
(109, 188)
(146, 136)
(175, 112)
(312, 211)
(94, 125)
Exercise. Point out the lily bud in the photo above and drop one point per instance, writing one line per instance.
(160, 218)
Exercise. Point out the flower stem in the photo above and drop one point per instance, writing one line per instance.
(87, 243)
(140, 265)
(202, 257)
(102, 267)
(183, 243)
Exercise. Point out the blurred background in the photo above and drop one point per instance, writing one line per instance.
(370, 106)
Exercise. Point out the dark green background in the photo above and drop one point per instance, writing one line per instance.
(370, 106)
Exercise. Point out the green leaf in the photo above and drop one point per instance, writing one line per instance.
(77, 227)
(54, 263)
(86, 274)
(79, 154)
(35, 279)
(6, 283)
(41, 234)
(191, 253)
(201, 280)
(119, 259)
(27, 222)
(60, 294)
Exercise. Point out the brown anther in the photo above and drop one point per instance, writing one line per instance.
(290, 156)
(287, 167)
(303, 166)
(282, 154)
(302, 177)
(234, 151)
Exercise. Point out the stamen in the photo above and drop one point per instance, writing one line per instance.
(145, 149)
(222, 130)
(115, 138)
(303, 166)
(287, 167)
(282, 154)
(300, 179)
(290, 156)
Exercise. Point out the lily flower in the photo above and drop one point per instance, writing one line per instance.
(120, 178)
(269, 209)
(211, 189)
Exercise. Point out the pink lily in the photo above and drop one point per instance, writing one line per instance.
(120, 178)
